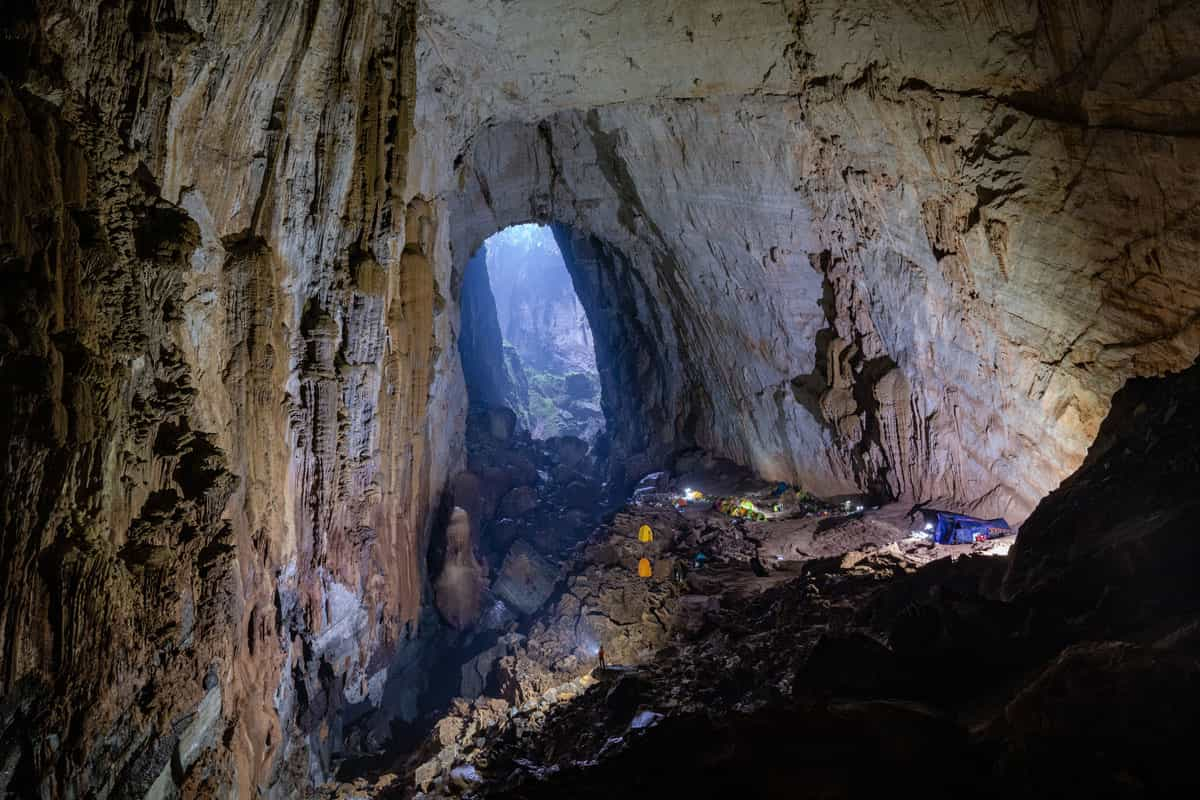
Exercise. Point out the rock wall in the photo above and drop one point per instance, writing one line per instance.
(228, 396)
(904, 248)
(916, 262)
(480, 344)
(1112, 547)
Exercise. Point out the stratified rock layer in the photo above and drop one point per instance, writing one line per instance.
(878, 246)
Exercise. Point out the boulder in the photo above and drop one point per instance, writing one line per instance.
(521, 470)
(526, 579)
(496, 615)
(465, 776)
(847, 665)
(500, 535)
(518, 502)
(582, 494)
(567, 450)
(694, 612)
(1105, 713)
(625, 695)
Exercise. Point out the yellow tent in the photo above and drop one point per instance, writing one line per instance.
(644, 569)
(645, 534)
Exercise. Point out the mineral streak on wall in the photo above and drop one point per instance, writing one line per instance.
(870, 246)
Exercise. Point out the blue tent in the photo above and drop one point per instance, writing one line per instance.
(946, 527)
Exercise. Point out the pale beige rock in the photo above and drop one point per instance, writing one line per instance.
(461, 583)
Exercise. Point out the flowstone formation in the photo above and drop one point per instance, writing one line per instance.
(875, 247)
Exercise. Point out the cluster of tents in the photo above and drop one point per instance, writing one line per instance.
(645, 569)
(941, 527)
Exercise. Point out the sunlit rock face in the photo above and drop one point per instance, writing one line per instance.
(536, 304)
(903, 248)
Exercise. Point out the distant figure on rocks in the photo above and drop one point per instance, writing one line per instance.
(600, 658)
(460, 586)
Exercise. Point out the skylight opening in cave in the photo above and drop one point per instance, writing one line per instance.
(526, 342)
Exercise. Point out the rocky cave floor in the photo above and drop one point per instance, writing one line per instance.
(818, 652)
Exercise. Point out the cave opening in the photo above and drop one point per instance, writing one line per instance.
(538, 471)
(526, 343)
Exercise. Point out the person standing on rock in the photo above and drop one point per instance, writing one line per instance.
(600, 658)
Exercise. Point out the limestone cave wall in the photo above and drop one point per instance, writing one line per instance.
(225, 308)
(894, 250)
(904, 248)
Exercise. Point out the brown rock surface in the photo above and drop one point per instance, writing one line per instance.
(461, 582)
(871, 246)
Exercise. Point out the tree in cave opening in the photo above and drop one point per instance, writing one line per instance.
(525, 341)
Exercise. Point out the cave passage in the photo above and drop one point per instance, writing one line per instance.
(846, 397)
(526, 343)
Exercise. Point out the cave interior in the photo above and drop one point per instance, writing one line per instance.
(546, 398)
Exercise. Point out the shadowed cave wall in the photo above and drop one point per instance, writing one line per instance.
(866, 247)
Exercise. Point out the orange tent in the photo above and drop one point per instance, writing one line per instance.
(644, 568)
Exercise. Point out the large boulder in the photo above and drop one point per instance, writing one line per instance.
(1127, 514)
(519, 502)
(844, 664)
(582, 494)
(477, 673)
(1108, 714)
(693, 613)
(567, 450)
(526, 579)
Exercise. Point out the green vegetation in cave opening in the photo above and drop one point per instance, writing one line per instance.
(525, 341)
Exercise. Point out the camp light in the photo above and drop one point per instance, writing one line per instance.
(928, 526)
